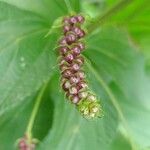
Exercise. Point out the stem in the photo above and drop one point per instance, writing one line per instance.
(100, 19)
(34, 112)
(70, 10)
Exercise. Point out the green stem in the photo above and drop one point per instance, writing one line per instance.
(102, 18)
(70, 10)
(34, 112)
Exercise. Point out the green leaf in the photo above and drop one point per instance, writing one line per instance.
(17, 121)
(27, 58)
(134, 18)
(114, 61)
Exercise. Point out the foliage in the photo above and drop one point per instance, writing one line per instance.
(115, 66)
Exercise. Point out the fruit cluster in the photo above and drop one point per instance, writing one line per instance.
(25, 144)
(73, 78)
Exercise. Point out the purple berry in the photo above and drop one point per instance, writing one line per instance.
(66, 29)
(75, 67)
(82, 85)
(63, 41)
(73, 20)
(76, 51)
(74, 80)
(69, 58)
(80, 19)
(82, 34)
(70, 38)
(63, 50)
(77, 30)
(81, 46)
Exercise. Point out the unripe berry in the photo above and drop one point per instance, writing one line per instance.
(75, 99)
(79, 60)
(73, 90)
(83, 94)
(81, 74)
(66, 85)
(63, 67)
(67, 73)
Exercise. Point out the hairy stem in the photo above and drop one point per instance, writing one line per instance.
(34, 112)
(102, 18)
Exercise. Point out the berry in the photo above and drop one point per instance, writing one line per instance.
(82, 85)
(81, 46)
(63, 50)
(75, 99)
(80, 19)
(66, 85)
(69, 58)
(76, 51)
(25, 144)
(73, 90)
(82, 34)
(75, 67)
(70, 38)
(63, 41)
(81, 74)
(80, 60)
(74, 80)
(73, 20)
(66, 20)
(67, 73)
(66, 29)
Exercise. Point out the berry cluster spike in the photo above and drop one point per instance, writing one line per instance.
(25, 144)
(73, 78)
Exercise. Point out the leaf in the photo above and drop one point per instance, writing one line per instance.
(116, 62)
(134, 19)
(121, 142)
(27, 58)
(17, 121)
